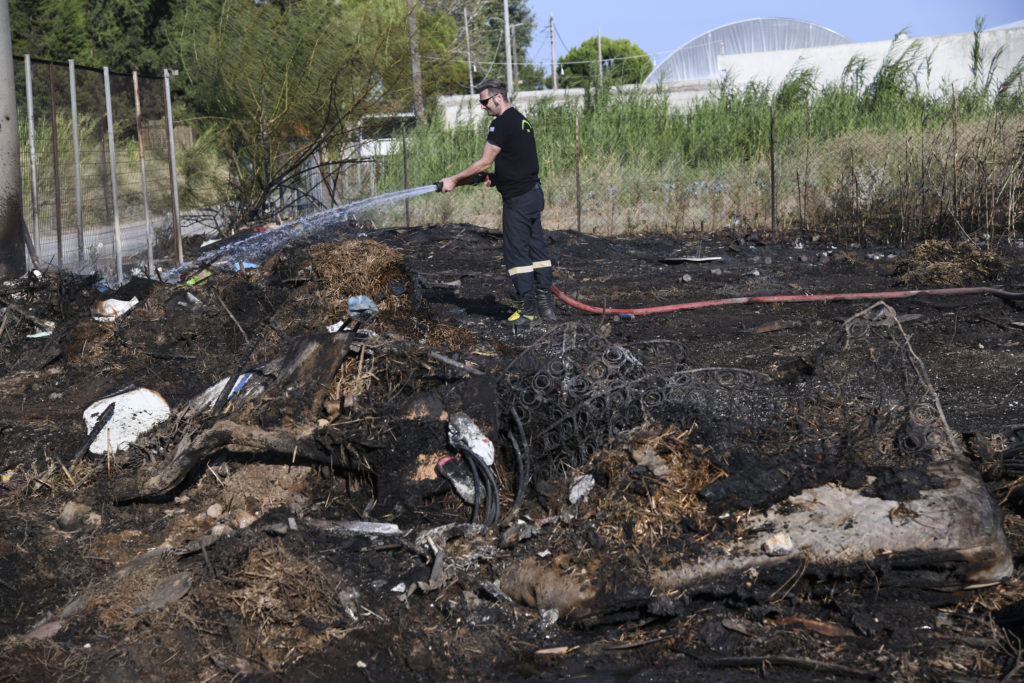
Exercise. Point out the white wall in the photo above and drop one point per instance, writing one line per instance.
(465, 108)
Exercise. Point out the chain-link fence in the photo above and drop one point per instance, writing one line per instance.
(96, 164)
(942, 171)
(945, 174)
(939, 179)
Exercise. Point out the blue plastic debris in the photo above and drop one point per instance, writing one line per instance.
(239, 384)
(244, 265)
(361, 306)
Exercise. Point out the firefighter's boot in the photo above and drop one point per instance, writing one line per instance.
(545, 306)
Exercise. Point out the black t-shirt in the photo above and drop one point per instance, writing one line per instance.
(516, 170)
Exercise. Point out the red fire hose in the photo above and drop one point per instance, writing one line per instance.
(786, 298)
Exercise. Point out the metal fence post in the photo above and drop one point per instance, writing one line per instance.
(118, 269)
(405, 176)
(175, 216)
(78, 162)
(56, 172)
(579, 207)
(32, 150)
(956, 196)
(771, 156)
(142, 168)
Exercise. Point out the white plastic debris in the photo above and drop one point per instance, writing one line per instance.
(463, 434)
(109, 310)
(245, 384)
(135, 412)
(355, 527)
(44, 328)
(581, 486)
(778, 544)
(191, 302)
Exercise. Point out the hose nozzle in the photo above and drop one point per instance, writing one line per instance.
(474, 179)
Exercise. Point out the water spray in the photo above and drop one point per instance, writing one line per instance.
(254, 247)
(259, 245)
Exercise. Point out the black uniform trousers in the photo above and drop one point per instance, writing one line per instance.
(526, 255)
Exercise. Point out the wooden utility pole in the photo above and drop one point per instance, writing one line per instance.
(554, 66)
(12, 239)
(417, 75)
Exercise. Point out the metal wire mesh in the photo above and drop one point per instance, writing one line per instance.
(87, 208)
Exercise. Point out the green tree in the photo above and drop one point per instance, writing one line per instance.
(49, 29)
(131, 34)
(438, 32)
(622, 62)
(278, 83)
(121, 34)
(486, 20)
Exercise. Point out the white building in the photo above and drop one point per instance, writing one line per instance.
(767, 50)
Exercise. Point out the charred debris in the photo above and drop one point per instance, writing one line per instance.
(591, 480)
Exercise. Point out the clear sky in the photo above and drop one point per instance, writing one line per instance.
(660, 26)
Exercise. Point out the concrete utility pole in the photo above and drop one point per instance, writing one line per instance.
(600, 62)
(12, 239)
(554, 65)
(417, 75)
(515, 57)
(508, 53)
(469, 56)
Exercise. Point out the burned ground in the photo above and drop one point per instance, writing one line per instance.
(690, 429)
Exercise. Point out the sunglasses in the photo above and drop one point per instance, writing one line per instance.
(484, 102)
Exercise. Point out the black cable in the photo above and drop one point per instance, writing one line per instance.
(481, 470)
(520, 479)
(526, 450)
(494, 500)
(476, 490)
(491, 503)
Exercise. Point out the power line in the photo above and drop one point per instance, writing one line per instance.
(561, 40)
(545, 63)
